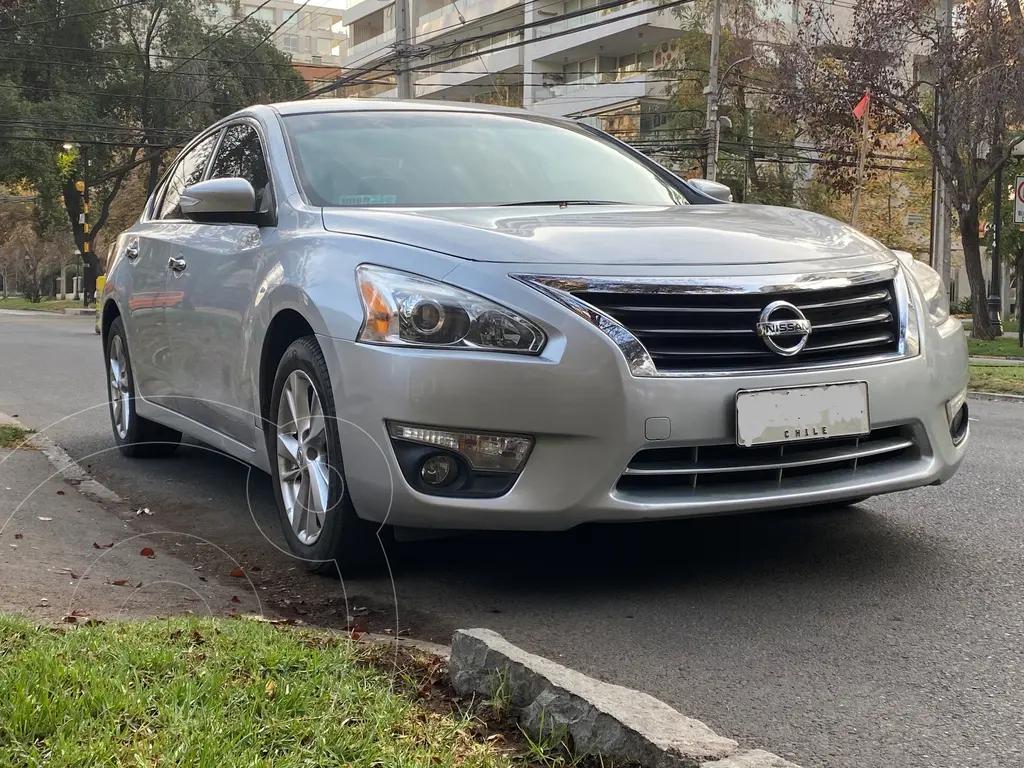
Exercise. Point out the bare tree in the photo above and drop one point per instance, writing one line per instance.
(900, 50)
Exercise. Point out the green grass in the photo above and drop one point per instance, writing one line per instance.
(12, 436)
(46, 305)
(1009, 326)
(998, 378)
(1002, 347)
(214, 693)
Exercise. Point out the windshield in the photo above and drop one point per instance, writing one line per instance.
(415, 158)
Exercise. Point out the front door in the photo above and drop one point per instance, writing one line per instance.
(216, 274)
(160, 241)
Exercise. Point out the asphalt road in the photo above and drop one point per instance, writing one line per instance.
(889, 634)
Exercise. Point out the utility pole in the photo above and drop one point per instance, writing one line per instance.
(865, 140)
(995, 291)
(88, 274)
(403, 46)
(941, 235)
(712, 93)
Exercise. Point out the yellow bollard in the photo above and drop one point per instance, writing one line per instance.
(99, 301)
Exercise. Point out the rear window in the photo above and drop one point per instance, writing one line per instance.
(390, 158)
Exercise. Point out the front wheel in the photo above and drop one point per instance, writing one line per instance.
(135, 436)
(317, 515)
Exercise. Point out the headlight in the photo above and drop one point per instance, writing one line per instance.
(410, 311)
(936, 302)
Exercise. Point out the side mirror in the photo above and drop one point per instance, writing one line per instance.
(714, 189)
(221, 200)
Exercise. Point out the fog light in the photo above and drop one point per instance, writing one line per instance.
(437, 470)
(496, 453)
(954, 404)
(958, 427)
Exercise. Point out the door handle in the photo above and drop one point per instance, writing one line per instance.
(176, 265)
(131, 251)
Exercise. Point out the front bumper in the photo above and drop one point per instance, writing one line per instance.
(589, 418)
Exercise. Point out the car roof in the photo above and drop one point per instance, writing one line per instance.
(389, 105)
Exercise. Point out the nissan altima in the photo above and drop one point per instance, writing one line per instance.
(421, 315)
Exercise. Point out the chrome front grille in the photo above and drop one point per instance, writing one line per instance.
(731, 467)
(710, 328)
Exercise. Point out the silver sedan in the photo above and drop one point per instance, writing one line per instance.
(451, 316)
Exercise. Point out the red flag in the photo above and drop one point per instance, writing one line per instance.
(862, 105)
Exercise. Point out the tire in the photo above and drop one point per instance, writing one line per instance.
(142, 438)
(329, 537)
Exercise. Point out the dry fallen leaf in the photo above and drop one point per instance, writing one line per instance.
(46, 519)
(120, 583)
(18, 536)
(234, 599)
(238, 573)
(60, 493)
(271, 689)
(147, 552)
(102, 546)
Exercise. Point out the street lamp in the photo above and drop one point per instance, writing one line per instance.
(714, 91)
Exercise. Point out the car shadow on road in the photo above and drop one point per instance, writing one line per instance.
(840, 553)
(794, 545)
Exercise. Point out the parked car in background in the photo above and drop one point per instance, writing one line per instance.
(418, 315)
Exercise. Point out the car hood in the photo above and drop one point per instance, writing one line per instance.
(609, 234)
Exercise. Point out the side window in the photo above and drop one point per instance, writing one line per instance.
(187, 171)
(241, 156)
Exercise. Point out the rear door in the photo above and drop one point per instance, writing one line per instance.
(207, 328)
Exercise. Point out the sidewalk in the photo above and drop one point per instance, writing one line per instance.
(995, 361)
(63, 554)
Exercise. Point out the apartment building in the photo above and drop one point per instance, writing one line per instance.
(552, 56)
(311, 33)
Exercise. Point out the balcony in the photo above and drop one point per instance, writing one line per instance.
(600, 91)
(366, 49)
(452, 60)
(446, 18)
(466, 79)
(575, 22)
(614, 31)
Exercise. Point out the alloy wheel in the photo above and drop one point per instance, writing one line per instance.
(119, 391)
(302, 458)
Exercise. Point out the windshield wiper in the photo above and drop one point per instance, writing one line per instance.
(561, 203)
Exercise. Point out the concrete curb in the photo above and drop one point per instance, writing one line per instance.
(69, 469)
(82, 311)
(603, 720)
(998, 397)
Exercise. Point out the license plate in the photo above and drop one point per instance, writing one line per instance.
(770, 416)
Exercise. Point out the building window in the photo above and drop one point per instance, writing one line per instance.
(289, 43)
(323, 22)
(306, 45)
(266, 15)
(221, 11)
(323, 46)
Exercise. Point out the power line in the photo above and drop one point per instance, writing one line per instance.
(114, 68)
(211, 43)
(505, 30)
(63, 17)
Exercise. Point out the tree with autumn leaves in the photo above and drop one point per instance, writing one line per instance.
(107, 92)
(910, 61)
